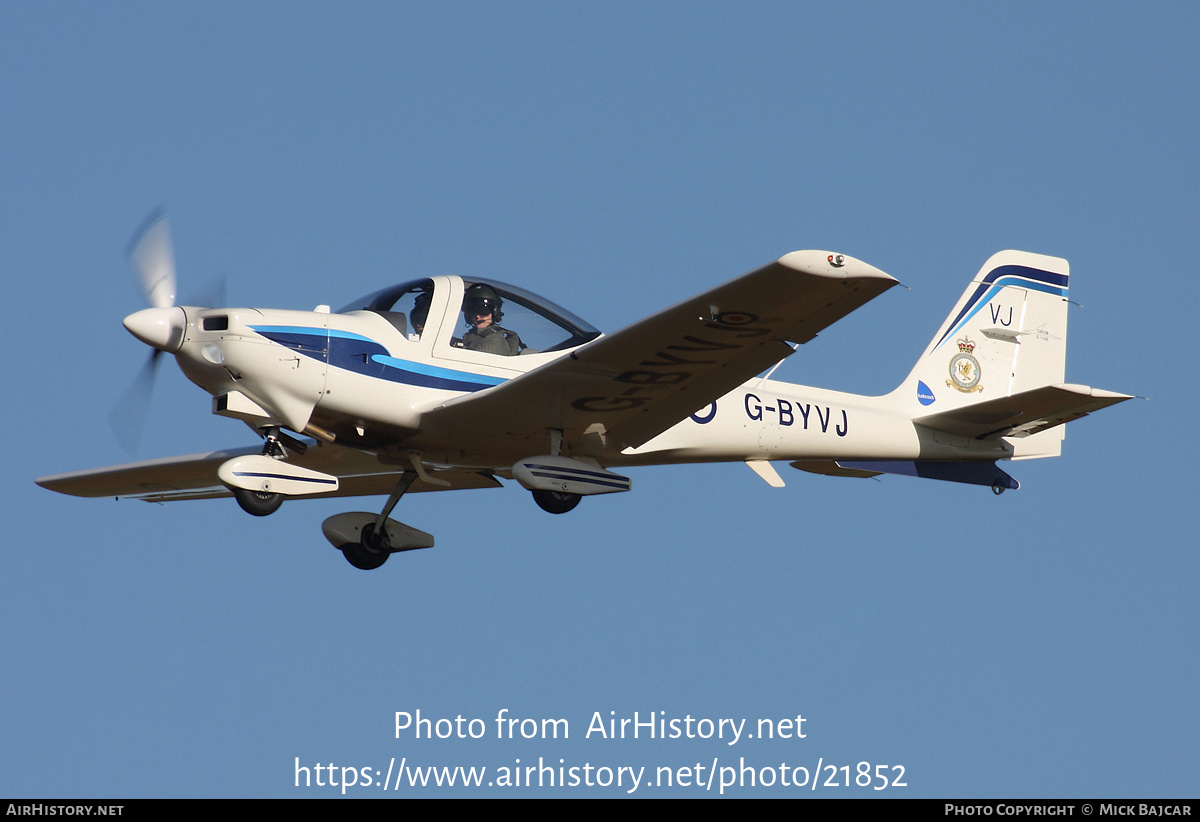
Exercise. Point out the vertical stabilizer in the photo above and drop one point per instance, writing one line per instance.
(1006, 334)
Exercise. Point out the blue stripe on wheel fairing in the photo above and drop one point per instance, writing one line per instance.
(265, 475)
(582, 472)
(572, 478)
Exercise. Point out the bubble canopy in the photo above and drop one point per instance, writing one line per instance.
(542, 324)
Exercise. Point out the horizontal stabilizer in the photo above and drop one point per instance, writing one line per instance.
(972, 473)
(1020, 415)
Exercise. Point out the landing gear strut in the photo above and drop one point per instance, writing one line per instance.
(374, 546)
(271, 446)
(263, 503)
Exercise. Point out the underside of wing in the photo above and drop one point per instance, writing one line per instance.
(1023, 414)
(194, 476)
(623, 389)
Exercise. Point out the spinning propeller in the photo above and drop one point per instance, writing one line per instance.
(153, 260)
(160, 326)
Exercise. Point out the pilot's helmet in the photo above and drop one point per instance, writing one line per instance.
(482, 299)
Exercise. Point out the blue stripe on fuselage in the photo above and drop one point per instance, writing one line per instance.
(362, 355)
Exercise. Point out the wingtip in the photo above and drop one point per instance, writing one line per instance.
(835, 266)
(1097, 393)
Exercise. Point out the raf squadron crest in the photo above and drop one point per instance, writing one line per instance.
(964, 369)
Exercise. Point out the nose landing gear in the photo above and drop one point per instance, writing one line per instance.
(371, 551)
(367, 540)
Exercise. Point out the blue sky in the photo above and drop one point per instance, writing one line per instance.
(616, 158)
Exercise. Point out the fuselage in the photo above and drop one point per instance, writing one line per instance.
(367, 378)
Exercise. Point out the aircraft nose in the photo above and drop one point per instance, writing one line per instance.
(161, 328)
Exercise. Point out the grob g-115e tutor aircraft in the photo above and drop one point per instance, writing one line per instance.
(394, 394)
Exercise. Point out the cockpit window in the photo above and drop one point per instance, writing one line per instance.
(405, 306)
(385, 298)
(537, 323)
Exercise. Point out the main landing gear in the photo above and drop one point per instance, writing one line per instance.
(258, 503)
(556, 502)
(558, 482)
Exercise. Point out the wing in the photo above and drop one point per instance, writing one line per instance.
(632, 385)
(195, 476)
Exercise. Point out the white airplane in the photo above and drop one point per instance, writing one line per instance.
(398, 394)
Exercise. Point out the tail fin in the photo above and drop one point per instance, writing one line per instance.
(1006, 335)
(996, 368)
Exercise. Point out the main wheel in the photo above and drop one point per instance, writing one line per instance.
(258, 503)
(556, 502)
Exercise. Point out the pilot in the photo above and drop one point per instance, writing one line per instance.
(482, 311)
(419, 315)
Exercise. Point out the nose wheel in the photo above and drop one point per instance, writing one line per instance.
(367, 540)
(371, 552)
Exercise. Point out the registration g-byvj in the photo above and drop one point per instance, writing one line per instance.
(455, 382)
